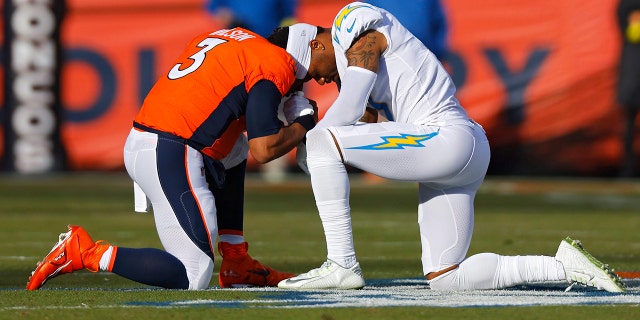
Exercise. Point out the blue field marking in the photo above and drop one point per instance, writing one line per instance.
(412, 292)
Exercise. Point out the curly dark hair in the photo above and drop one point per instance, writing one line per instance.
(279, 37)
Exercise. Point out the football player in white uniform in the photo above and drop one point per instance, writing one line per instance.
(428, 139)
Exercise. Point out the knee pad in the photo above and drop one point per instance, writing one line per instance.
(199, 279)
(478, 272)
(320, 144)
(445, 282)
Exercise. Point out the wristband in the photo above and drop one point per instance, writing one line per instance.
(306, 121)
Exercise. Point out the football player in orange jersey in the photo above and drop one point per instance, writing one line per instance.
(187, 154)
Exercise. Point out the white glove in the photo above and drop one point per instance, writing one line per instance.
(297, 106)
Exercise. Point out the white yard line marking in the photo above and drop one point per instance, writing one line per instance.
(393, 293)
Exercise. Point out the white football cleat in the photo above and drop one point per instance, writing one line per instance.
(581, 267)
(329, 276)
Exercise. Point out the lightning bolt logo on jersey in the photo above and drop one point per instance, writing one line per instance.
(399, 142)
(342, 15)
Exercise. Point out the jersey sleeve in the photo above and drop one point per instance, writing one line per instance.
(269, 74)
(262, 110)
(352, 21)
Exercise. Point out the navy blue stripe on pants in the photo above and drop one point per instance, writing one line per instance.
(172, 172)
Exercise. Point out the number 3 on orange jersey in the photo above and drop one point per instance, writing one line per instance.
(198, 57)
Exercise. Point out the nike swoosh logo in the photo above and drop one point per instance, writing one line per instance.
(351, 28)
(294, 281)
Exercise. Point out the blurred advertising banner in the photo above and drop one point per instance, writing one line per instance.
(31, 97)
(115, 51)
(539, 75)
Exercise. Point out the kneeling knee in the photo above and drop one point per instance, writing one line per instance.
(321, 144)
(442, 283)
(200, 277)
(445, 281)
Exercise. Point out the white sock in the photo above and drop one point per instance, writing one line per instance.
(492, 271)
(231, 238)
(105, 259)
(514, 270)
(330, 184)
(336, 222)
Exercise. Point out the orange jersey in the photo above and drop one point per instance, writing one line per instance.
(203, 97)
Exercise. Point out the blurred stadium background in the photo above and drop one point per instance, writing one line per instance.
(539, 75)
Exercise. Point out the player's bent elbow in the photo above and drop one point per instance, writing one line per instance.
(262, 155)
(261, 159)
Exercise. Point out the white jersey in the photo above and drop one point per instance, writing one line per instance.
(412, 86)
(429, 140)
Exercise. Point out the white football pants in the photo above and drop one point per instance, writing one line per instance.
(171, 174)
(449, 163)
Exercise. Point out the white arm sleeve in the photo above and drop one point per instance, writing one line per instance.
(352, 99)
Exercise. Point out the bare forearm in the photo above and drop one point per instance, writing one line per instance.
(267, 148)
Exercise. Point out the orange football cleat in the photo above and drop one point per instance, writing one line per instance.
(238, 269)
(75, 250)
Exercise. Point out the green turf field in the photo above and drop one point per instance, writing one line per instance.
(513, 216)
